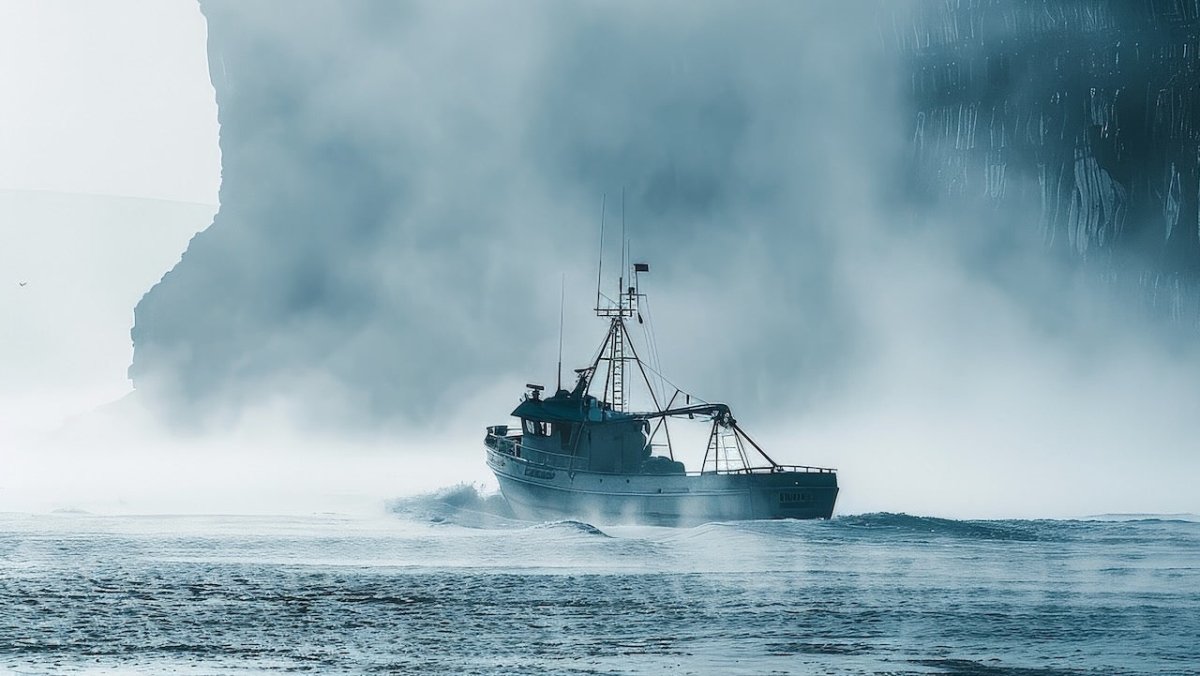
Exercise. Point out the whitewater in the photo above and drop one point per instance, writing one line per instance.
(448, 584)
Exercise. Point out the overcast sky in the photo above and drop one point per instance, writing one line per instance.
(109, 98)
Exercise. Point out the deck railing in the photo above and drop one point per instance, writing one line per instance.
(511, 445)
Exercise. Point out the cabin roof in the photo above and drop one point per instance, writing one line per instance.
(549, 410)
(563, 407)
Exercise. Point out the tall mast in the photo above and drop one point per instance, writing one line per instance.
(614, 348)
(616, 362)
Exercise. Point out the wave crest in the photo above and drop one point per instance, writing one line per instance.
(571, 526)
(462, 505)
(907, 523)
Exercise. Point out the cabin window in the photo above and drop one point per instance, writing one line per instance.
(535, 428)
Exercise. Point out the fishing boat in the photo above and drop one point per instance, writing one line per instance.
(582, 454)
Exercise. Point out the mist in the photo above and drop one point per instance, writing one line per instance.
(404, 185)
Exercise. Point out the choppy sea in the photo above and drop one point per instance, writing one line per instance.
(446, 584)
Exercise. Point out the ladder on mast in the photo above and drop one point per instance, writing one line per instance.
(618, 366)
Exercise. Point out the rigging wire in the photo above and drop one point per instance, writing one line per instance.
(652, 356)
(653, 346)
(668, 381)
(649, 347)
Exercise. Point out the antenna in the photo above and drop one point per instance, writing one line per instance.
(600, 263)
(562, 297)
(624, 242)
(621, 278)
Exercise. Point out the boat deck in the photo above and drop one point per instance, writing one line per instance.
(511, 445)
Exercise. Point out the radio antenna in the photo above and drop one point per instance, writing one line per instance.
(600, 262)
(621, 279)
(562, 297)
(623, 240)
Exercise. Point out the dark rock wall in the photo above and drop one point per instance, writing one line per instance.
(1079, 119)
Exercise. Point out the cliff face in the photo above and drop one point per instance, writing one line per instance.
(1079, 119)
(403, 183)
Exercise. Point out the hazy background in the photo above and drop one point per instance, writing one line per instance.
(108, 165)
(404, 184)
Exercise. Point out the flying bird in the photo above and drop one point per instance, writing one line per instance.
(22, 283)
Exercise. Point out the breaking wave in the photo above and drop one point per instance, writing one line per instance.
(570, 526)
(461, 505)
(469, 506)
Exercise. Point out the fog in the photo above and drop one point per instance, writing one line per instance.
(404, 186)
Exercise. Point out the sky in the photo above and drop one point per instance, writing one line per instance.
(109, 163)
(405, 185)
(107, 98)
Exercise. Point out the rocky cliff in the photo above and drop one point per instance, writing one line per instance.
(1078, 119)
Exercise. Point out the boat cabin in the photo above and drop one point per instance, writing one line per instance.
(588, 432)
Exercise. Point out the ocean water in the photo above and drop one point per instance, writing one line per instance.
(446, 584)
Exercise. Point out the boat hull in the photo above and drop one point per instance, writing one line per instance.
(540, 492)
